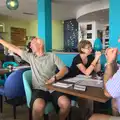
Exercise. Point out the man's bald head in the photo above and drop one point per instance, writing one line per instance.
(37, 44)
(38, 40)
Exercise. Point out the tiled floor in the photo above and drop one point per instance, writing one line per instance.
(22, 113)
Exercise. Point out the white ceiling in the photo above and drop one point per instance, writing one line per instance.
(61, 9)
(101, 16)
(66, 9)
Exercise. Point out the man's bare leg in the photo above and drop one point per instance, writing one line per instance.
(38, 109)
(64, 104)
(114, 108)
(100, 117)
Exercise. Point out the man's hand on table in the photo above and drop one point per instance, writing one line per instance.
(51, 80)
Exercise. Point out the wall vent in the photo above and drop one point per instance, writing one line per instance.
(26, 13)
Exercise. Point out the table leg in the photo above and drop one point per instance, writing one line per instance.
(91, 106)
(86, 107)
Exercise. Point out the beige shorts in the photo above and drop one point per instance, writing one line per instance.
(114, 118)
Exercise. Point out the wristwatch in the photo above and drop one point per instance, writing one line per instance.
(55, 78)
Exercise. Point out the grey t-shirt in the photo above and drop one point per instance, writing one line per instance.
(43, 67)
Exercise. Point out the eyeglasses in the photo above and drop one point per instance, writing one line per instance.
(88, 48)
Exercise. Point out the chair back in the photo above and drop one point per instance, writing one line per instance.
(27, 81)
(102, 62)
(6, 64)
(14, 84)
(98, 44)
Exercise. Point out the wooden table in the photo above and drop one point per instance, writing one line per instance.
(3, 71)
(92, 93)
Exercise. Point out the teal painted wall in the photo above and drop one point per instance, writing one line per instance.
(45, 22)
(114, 23)
(67, 58)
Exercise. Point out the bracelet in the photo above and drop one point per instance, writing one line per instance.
(93, 65)
(108, 63)
(98, 63)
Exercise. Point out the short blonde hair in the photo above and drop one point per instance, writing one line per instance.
(82, 44)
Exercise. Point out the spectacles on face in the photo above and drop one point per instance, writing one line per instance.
(88, 48)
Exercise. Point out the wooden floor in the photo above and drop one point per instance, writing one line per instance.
(22, 113)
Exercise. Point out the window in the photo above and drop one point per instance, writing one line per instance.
(89, 27)
(89, 35)
(2, 27)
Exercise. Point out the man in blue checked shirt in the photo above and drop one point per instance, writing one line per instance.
(111, 83)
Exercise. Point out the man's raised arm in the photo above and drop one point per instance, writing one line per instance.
(11, 47)
(111, 68)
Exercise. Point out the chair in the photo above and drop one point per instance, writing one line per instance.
(102, 62)
(6, 64)
(13, 90)
(2, 82)
(98, 44)
(27, 81)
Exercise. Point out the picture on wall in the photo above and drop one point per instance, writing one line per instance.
(89, 35)
(18, 36)
(89, 27)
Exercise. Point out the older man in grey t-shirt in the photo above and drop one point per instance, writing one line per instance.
(43, 66)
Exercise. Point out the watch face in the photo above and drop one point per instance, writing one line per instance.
(55, 78)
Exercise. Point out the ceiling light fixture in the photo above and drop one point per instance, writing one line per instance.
(12, 4)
